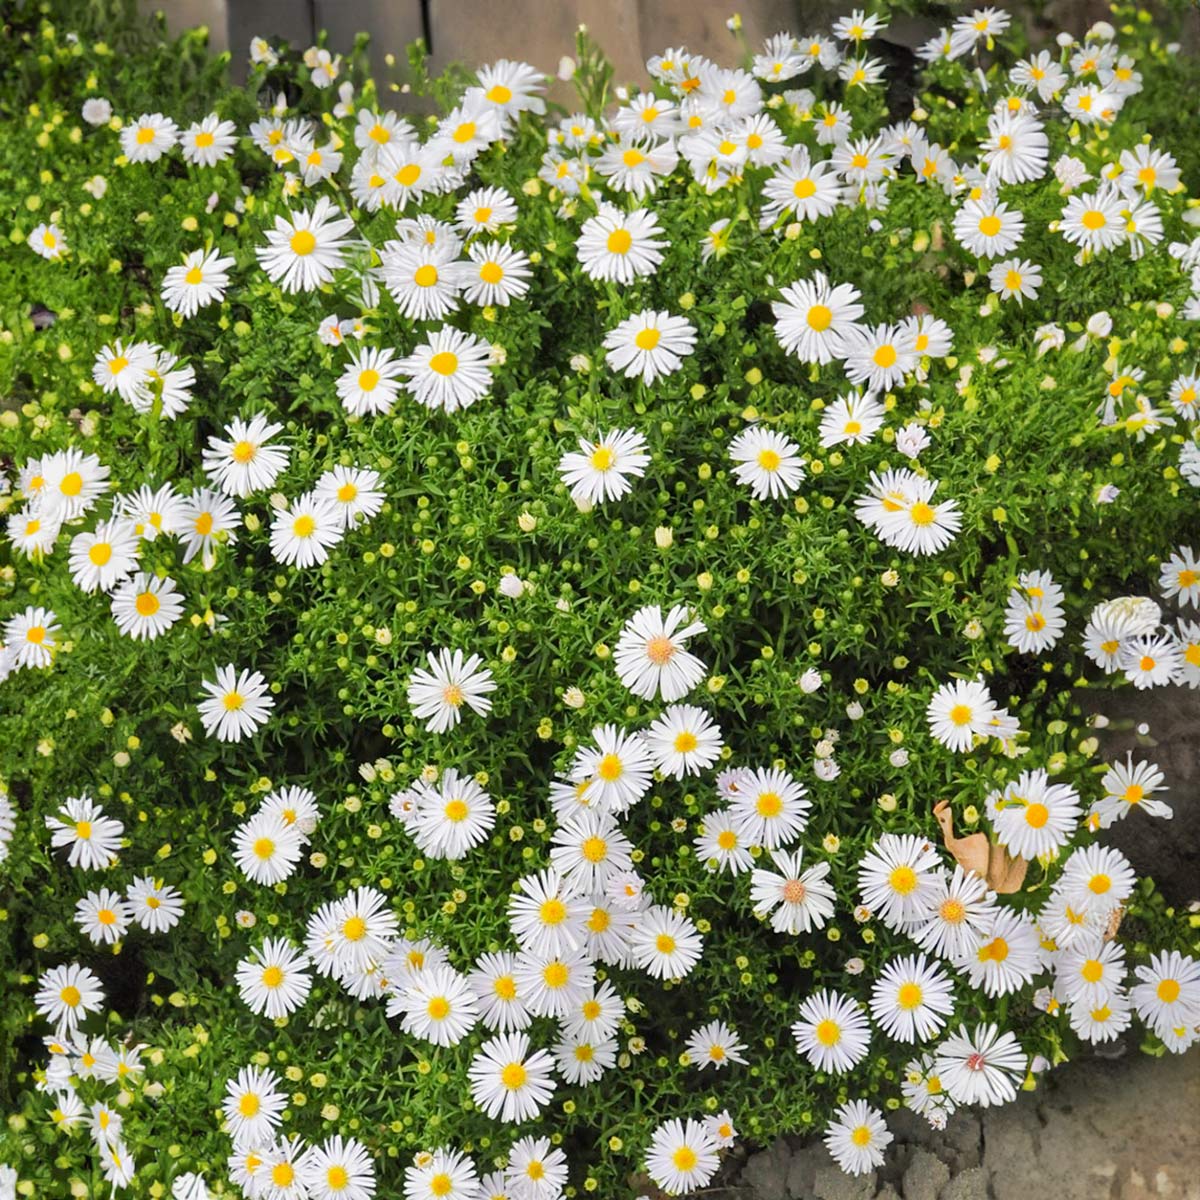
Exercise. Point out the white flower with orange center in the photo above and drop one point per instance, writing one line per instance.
(437, 695)
(650, 344)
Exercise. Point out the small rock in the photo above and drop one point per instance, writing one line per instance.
(925, 1177)
(802, 1170)
(832, 1183)
(767, 1172)
(971, 1184)
(887, 1192)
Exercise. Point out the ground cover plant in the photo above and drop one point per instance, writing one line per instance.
(526, 632)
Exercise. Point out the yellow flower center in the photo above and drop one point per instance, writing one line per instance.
(555, 975)
(594, 849)
(909, 996)
(456, 811)
(610, 768)
(347, 492)
(304, 526)
(903, 880)
(499, 94)
(441, 1185)
(272, 977)
(426, 276)
(505, 987)
(72, 484)
(36, 634)
(438, 1008)
(647, 339)
(885, 356)
(769, 459)
(619, 241)
(828, 1032)
(249, 1105)
(303, 242)
(769, 804)
(1036, 815)
(685, 742)
(243, 452)
(100, 553)
(145, 135)
(921, 513)
(147, 604)
(861, 1136)
(685, 1159)
(264, 847)
(660, 650)
(464, 133)
(994, 951)
(1167, 991)
(1092, 219)
(444, 363)
(337, 1177)
(727, 839)
(354, 929)
(989, 226)
(820, 317)
(513, 1076)
(491, 272)
(552, 911)
(664, 943)
(408, 175)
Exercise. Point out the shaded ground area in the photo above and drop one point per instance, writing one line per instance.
(1094, 1130)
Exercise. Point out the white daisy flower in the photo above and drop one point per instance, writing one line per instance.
(959, 712)
(507, 1082)
(452, 818)
(200, 280)
(155, 906)
(437, 1005)
(813, 318)
(1033, 816)
(242, 462)
(102, 558)
(617, 769)
(1095, 221)
(796, 899)
(1128, 787)
(832, 1032)
(48, 241)
(857, 1137)
(94, 837)
(446, 1174)
(897, 879)
(236, 703)
(587, 848)
(274, 981)
(303, 534)
(683, 741)
(651, 656)
(437, 695)
(450, 370)
(337, 1169)
(911, 999)
(958, 912)
(253, 1106)
(207, 142)
(103, 916)
(555, 985)
(30, 638)
(485, 210)
(208, 520)
(599, 470)
(980, 1066)
(771, 808)
(494, 982)
(146, 606)
(266, 849)
(988, 228)
(721, 845)
(665, 943)
(767, 462)
(852, 419)
(1168, 991)
(497, 274)
(305, 248)
(1008, 956)
(651, 344)
(620, 247)
(148, 138)
(682, 1156)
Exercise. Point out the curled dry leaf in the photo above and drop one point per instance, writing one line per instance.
(1004, 872)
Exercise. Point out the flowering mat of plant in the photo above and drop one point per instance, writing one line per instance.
(538, 643)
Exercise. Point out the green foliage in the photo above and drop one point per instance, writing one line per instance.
(782, 586)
